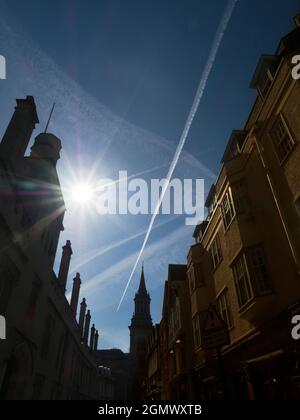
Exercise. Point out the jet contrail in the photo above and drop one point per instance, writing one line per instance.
(199, 94)
(100, 252)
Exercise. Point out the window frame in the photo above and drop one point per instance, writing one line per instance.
(196, 330)
(256, 276)
(231, 209)
(240, 196)
(221, 299)
(248, 290)
(265, 82)
(277, 146)
(216, 246)
(253, 279)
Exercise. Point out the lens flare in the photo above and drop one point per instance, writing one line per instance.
(82, 193)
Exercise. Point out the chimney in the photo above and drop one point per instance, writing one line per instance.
(17, 135)
(96, 341)
(92, 338)
(297, 20)
(82, 315)
(65, 265)
(87, 327)
(75, 294)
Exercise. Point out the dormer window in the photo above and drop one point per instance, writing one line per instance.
(199, 230)
(264, 83)
(264, 74)
(234, 145)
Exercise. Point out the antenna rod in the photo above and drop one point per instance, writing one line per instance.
(51, 112)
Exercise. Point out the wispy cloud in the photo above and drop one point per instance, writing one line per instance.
(93, 284)
(92, 255)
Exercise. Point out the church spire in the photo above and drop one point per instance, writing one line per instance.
(142, 291)
(141, 320)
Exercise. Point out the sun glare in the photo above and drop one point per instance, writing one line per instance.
(82, 193)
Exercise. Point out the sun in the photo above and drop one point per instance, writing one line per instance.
(82, 193)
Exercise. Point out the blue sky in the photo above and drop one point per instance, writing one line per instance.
(124, 74)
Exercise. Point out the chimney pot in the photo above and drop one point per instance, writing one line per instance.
(65, 265)
(92, 338)
(82, 316)
(96, 341)
(87, 327)
(75, 294)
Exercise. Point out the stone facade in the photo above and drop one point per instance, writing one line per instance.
(245, 262)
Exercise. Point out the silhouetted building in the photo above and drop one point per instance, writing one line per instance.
(43, 356)
(119, 364)
(141, 325)
(152, 384)
(175, 339)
